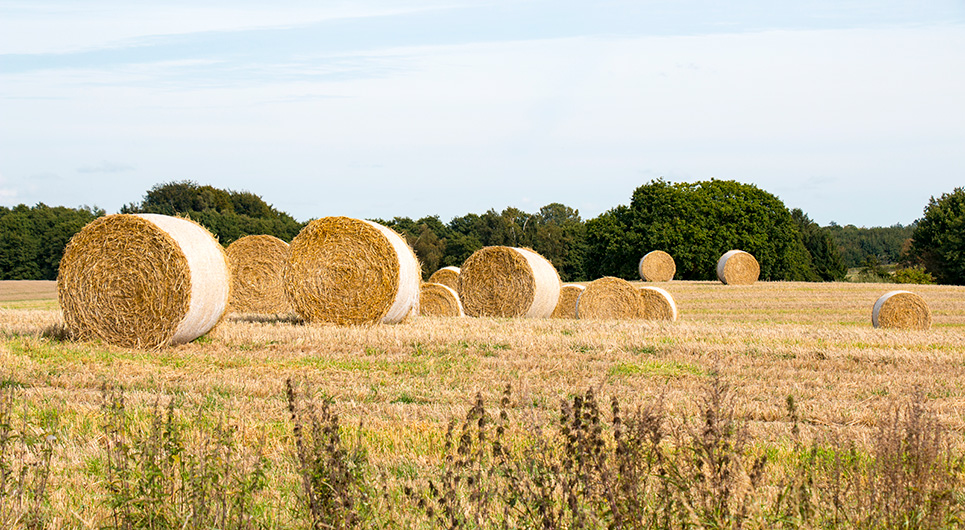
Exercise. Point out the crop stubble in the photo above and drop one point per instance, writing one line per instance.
(403, 382)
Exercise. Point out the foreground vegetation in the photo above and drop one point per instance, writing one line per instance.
(689, 424)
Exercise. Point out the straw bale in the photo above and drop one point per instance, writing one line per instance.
(566, 307)
(143, 281)
(658, 304)
(257, 286)
(448, 276)
(438, 300)
(610, 298)
(657, 266)
(901, 310)
(348, 271)
(737, 267)
(508, 282)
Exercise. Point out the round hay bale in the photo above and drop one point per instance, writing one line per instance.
(257, 285)
(566, 307)
(658, 304)
(508, 282)
(657, 266)
(437, 300)
(737, 267)
(901, 310)
(610, 298)
(143, 281)
(348, 271)
(448, 276)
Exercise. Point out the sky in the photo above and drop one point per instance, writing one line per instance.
(852, 110)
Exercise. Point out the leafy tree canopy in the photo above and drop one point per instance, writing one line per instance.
(33, 239)
(886, 244)
(229, 215)
(696, 223)
(938, 241)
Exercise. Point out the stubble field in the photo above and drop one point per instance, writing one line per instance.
(395, 388)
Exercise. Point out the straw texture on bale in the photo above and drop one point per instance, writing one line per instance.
(611, 299)
(566, 307)
(437, 300)
(658, 304)
(508, 282)
(737, 267)
(257, 264)
(448, 276)
(657, 266)
(348, 271)
(901, 310)
(143, 281)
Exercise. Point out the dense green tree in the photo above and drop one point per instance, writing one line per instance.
(560, 236)
(697, 223)
(855, 244)
(32, 240)
(938, 240)
(428, 238)
(825, 255)
(229, 215)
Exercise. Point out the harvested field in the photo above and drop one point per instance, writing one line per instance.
(28, 294)
(396, 387)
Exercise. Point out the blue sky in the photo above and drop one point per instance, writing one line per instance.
(850, 110)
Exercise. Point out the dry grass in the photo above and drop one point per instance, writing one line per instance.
(395, 387)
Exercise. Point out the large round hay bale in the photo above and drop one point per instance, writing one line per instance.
(566, 307)
(658, 304)
(901, 310)
(448, 276)
(348, 271)
(737, 267)
(508, 282)
(257, 285)
(437, 300)
(610, 298)
(143, 281)
(657, 266)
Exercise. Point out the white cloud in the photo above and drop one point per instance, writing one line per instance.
(67, 26)
(105, 167)
(576, 120)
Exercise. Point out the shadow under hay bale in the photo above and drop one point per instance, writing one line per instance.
(143, 281)
(737, 267)
(657, 266)
(610, 298)
(257, 285)
(901, 310)
(437, 300)
(448, 276)
(566, 307)
(508, 282)
(658, 304)
(349, 271)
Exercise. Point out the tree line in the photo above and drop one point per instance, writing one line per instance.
(695, 222)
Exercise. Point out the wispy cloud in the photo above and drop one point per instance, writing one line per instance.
(8, 196)
(105, 167)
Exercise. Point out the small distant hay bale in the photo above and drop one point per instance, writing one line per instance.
(657, 266)
(448, 276)
(437, 300)
(566, 307)
(737, 267)
(143, 281)
(901, 310)
(611, 299)
(658, 304)
(508, 282)
(348, 271)
(257, 285)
